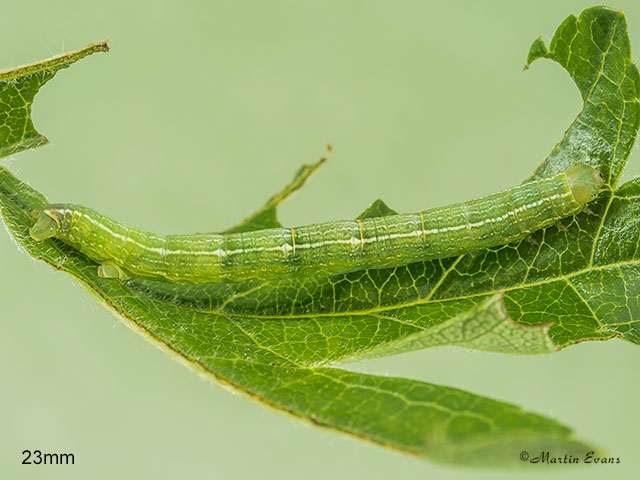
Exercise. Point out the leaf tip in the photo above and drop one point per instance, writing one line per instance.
(324, 158)
(537, 50)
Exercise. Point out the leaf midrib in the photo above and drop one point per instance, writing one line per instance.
(378, 310)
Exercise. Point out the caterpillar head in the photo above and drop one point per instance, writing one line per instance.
(47, 225)
(585, 182)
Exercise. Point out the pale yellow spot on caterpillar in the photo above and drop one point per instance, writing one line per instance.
(424, 233)
(359, 243)
(293, 239)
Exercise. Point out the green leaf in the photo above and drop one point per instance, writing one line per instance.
(266, 217)
(594, 48)
(377, 209)
(18, 87)
(442, 423)
(280, 341)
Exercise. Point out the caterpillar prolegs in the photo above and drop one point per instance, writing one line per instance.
(325, 248)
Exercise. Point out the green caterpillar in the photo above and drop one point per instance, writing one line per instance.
(326, 248)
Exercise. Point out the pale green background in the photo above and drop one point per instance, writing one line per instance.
(200, 112)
